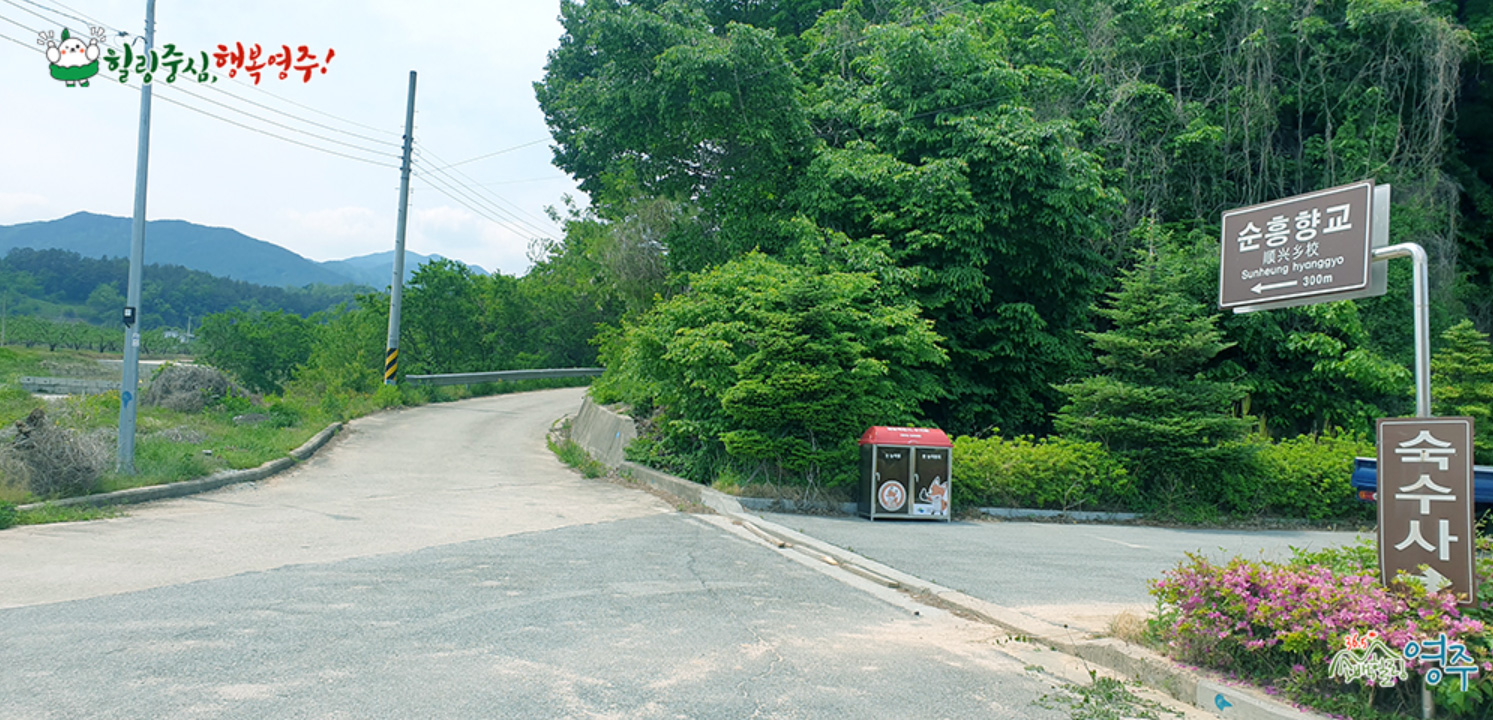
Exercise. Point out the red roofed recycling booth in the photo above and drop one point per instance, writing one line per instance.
(905, 473)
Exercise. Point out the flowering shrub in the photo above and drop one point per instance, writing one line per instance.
(1279, 624)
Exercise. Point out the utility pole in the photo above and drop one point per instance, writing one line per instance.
(391, 356)
(130, 381)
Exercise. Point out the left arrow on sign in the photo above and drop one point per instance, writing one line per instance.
(1262, 287)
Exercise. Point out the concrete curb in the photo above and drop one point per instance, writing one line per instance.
(192, 487)
(1131, 661)
(1061, 515)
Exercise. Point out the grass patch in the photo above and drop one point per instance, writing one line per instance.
(65, 513)
(575, 456)
(1102, 699)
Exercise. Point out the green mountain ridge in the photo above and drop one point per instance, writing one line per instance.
(219, 251)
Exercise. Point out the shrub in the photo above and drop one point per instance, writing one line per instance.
(1309, 477)
(7, 515)
(1051, 473)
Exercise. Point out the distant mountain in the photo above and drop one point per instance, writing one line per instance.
(377, 269)
(223, 252)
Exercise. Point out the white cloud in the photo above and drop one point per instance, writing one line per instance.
(20, 203)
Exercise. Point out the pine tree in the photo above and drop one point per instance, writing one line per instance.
(1462, 383)
(1152, 406)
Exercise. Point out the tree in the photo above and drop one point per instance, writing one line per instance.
(1153, 407)
(1462, 383)
(14, 285)
(442, 328)
(773, 368)
(262, 349)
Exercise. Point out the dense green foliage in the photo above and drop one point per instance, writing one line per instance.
(1308, 477)
(996, 164)
(1001, 153)
(1462, 383)
(453, 320)
(773, 368)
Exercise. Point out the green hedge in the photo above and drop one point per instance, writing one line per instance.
(1305, 477)
(1051, 473)
(1308, 477)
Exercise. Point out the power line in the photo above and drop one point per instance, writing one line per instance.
(491, 154)
(443, 188)
(62, 14)
(272, 122)
(472, 182)
(297, 117)
(121, 32)
(292, 141)
(243, 112)
(24, 9)
(22, 44)
(511, 221)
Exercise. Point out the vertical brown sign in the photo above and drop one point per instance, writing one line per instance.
(1297, 247)
(1425, 502)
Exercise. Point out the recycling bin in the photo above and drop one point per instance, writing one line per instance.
(906, 473)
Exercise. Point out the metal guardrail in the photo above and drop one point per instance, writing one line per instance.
(510, 375)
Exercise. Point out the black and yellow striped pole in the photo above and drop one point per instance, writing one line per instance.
(391, 358)
(391, 365)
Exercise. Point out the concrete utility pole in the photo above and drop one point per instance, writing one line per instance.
(130, 381)
(391, 356)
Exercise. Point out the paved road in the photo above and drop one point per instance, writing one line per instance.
(438, 562)
(1078, 574)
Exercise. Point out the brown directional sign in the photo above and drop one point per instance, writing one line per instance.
(1299, 247)
(1425, 502)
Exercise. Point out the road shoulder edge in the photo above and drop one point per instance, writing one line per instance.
(184, 488)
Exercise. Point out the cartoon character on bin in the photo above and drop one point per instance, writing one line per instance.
(936, 495)
(73, 61)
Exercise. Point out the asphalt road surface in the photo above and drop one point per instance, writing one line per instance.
(1077, 574)
(440, 563)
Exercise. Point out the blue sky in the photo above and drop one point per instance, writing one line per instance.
(73, 148)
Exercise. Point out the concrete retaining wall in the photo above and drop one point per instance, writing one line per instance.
(603, 433)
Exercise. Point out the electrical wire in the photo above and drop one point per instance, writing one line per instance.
(441, 187)
(173, 88)
(314, 123)
(293, 141)
(509, 220)
(492, 198)
(499, 152)
(470, 182)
